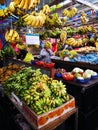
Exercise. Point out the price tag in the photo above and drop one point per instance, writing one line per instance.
(32, 39)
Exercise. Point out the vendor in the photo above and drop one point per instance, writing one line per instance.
(46, 52)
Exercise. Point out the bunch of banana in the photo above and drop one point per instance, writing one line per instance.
(70, 12)
(73, 42)
(26, 4)
(12, 7)
(9, 51)
(35, 20)
(58, 88)
(63, 36)
(86, 29)
(83, 18)
(85, 40)
(46, 9)
(4, 13)
(21, 46)
(52, 20)
(48, 45)
(11, 36)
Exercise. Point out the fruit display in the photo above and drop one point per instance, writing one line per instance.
(63, 36)
(37, 90)
(52, 20)
(86, 49)
(67, 53)
(85, 29)
(5, 13)
(74, 42)
(68, 76)
(70, 12)
(9, 51)
(26, 4)
(82, 76)
(7, 71)
(12, 36)
(35, 19)
(70, 30)
(46, 9)
(83, 18)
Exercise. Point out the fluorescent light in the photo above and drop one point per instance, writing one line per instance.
(91, 5)
(65, 2)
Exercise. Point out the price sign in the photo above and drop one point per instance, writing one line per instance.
(32, 39)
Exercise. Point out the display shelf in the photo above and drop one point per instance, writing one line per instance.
(68, 65)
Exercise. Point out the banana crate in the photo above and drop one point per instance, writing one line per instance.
(44, 120)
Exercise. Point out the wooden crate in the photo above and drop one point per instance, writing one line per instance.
(42, 120)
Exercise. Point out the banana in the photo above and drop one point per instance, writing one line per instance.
(11, 32)
(12, 7)
(21, 5)
(11, 36)
(46, 9)
(37, 22)
(26, 5)
(1, 13)
(17, 2)
(15, 34)
(70, 13)
(27, 18)
(33, 19)
(41, 20)
(6, 35)
(63, 36)
(23, 17)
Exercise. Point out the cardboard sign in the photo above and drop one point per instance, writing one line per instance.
(32, 39)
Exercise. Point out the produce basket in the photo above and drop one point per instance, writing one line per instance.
(42, 120)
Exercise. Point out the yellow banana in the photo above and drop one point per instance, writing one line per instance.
(1, 13)
(21, 5)
(37, 22)
(27, 18)
(26, 5)
(42, 21)
(6, 35)
(12, 6)
(33, 18)
(17, 2)
(11, 32)
(15, 34)
(30, 4)
(63, 36)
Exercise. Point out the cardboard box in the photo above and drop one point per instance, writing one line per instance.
(39, 121)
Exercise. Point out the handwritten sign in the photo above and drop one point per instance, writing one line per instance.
(32, 39)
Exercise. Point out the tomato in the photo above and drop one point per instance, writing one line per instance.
(68, 76)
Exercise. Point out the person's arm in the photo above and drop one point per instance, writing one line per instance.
(50, 52)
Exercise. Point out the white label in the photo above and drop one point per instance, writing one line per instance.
(32, 39)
